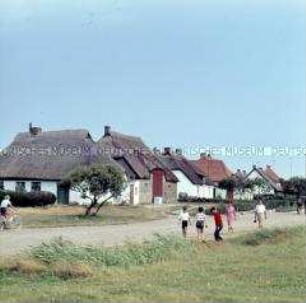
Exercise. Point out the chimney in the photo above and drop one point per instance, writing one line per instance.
(34, 130)
(179, 152)
(203, 155)
(254, 166)
(268, 166)
(167, 151)
(156, 151)
(107, 131)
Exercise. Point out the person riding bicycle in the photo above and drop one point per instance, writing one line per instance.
(5, 205)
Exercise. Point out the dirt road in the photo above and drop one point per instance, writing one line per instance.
(15, 241)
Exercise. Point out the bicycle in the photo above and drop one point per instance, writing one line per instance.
(12, 222)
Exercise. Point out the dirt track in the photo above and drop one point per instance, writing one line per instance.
(15, 241)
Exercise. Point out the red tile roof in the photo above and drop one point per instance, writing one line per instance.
(214, 169)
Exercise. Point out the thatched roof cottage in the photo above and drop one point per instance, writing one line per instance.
(149, 178)
(38, 160)
(192, 181)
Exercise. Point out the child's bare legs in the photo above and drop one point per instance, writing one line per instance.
(184, 231)
(230, 228)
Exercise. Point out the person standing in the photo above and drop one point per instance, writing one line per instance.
(184, 217)
(230, 216)
(299, 205)
(218, 223)
(260, 213)
(200, 223)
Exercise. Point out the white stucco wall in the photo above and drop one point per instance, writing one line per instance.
(245, 195)
(50, 187)
(220, 193)
(135, 186)
(185, 185)
(258, 191)
(45, 186)
(207, 192)
(75, 197)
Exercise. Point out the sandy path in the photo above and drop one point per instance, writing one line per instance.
(14, 241)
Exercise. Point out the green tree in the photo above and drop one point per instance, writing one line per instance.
(235, 183)
(98, 183)
(295, 186)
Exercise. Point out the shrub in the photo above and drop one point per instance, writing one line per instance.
(279, 204)
(66, 271)
(30, 199)
(27, 267)
(266, 237)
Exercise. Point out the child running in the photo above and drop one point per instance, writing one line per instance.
(185, 219)
(200, 223)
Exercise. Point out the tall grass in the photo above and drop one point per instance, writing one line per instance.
(268, 236)
(159, 249)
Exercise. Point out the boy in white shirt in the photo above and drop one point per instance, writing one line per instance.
(185, 219)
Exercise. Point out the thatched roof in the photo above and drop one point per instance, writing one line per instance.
(49, 155)
(132, 154)
(180, 163)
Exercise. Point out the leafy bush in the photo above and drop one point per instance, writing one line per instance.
(29, 199)
(278, 203)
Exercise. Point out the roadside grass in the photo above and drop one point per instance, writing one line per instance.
(61, 216)
(270, 268)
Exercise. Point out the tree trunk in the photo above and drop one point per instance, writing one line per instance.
(91, 206)
(102, 204)
(230, 195)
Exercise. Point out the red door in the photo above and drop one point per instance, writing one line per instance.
(158, 184)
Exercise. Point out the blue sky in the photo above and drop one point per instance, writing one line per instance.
(177, 73)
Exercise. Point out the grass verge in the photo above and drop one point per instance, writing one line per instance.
(269, 268)
(61, 216)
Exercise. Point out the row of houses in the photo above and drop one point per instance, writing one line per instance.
(39, 160)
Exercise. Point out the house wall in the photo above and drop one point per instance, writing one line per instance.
(145, 191)
(258, 190)
(75, 198)
(220, 193)
(185, 185)
(207, 192)
(49, 186)
(170, 192)
(245, 195)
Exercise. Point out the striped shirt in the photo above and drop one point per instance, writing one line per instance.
(200, 217)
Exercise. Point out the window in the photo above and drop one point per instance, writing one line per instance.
(20, 186)
(36, 186)
(1, 185)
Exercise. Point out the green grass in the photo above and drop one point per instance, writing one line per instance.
(265, 266)
(62, 216)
